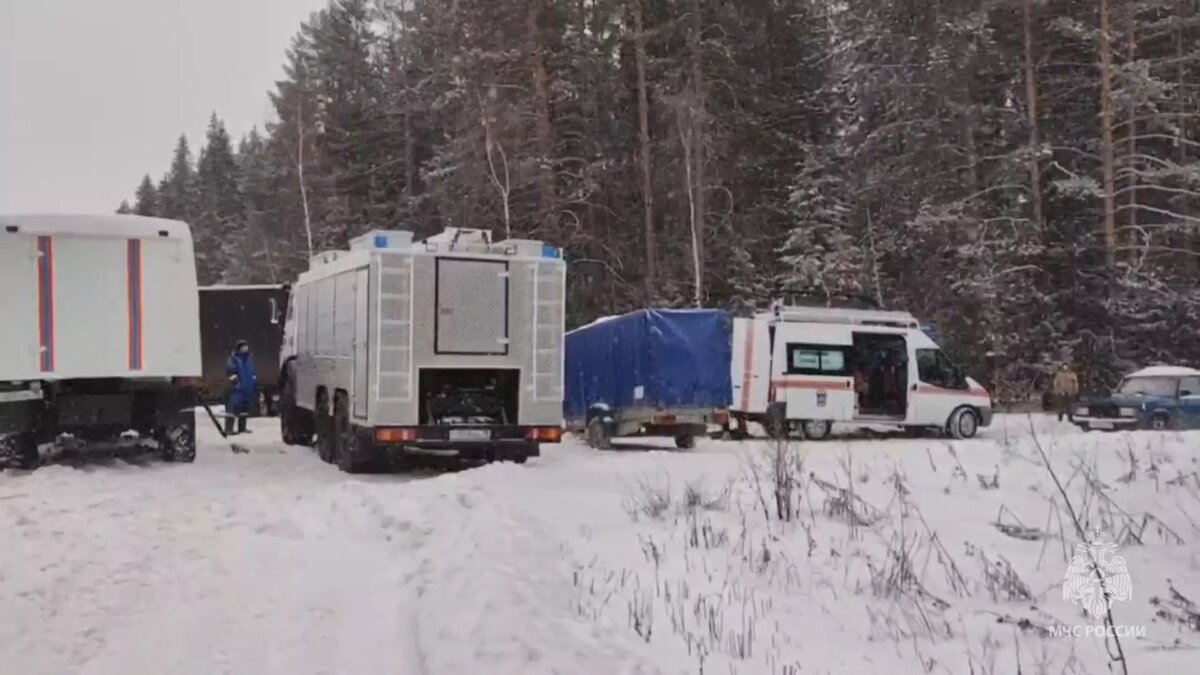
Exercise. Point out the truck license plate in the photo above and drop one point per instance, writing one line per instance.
(470, 434)
(1098, 424)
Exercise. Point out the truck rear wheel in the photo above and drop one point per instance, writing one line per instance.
(324, 428)
(178, 443)
(20, 450)
(349, 451)
(295, 423)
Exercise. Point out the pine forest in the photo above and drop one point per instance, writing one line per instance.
(1023, 174)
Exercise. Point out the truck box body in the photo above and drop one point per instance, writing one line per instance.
(99, 332)
(647, 362)
(106, 297)
(232, 313)
(400, 327)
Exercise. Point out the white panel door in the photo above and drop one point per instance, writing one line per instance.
(472, 306)
(750, 367)
(94, 327)
(168, 307)
(19, 306)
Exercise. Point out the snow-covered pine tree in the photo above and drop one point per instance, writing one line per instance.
(147, 202)
(219, 232)
(177, 191)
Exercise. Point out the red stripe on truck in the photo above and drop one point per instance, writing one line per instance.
(45, 285)
(134, 273)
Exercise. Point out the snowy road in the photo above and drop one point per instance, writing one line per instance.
(272, 562)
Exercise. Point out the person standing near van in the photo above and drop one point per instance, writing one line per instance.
(244, 385)
(1066, 391)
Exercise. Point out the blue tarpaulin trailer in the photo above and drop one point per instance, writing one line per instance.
(653, 372)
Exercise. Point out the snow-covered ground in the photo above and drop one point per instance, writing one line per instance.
(629, 561)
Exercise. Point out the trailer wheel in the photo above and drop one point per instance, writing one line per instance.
(685, 441)
(776, 422)
(324, 428)
(597, 434)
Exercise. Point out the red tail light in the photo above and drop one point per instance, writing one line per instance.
(385, 435)
(721, 418)
(544, 434)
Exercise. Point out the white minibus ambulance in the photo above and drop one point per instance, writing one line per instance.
(807, 368)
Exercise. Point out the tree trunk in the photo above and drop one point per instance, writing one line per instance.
(1106, 133)
(300, 173)
(545, 132)
(697, 116)
(644, 126)
(1190, 241)
(1131, 161)
(1031, 108)
(684, 112)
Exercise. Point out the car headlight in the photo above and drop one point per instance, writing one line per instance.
(1129, 412)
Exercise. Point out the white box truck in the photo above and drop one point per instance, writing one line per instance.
(451, 347)
(805, 369)
(100, 339)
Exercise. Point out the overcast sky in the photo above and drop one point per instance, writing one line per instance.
(94, 93)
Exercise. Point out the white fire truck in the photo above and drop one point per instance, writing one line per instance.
(451, 347)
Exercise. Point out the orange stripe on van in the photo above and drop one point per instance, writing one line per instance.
(797, 383)
(931, 389)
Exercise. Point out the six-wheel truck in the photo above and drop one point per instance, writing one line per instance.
(99, 342)
(654, 372)
(452, 347)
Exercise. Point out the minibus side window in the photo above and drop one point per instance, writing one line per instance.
(817, 360)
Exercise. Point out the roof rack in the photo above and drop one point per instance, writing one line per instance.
(861, 317)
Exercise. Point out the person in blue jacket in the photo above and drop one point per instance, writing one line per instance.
(243, 389)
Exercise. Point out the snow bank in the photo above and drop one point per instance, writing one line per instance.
(901, 556)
